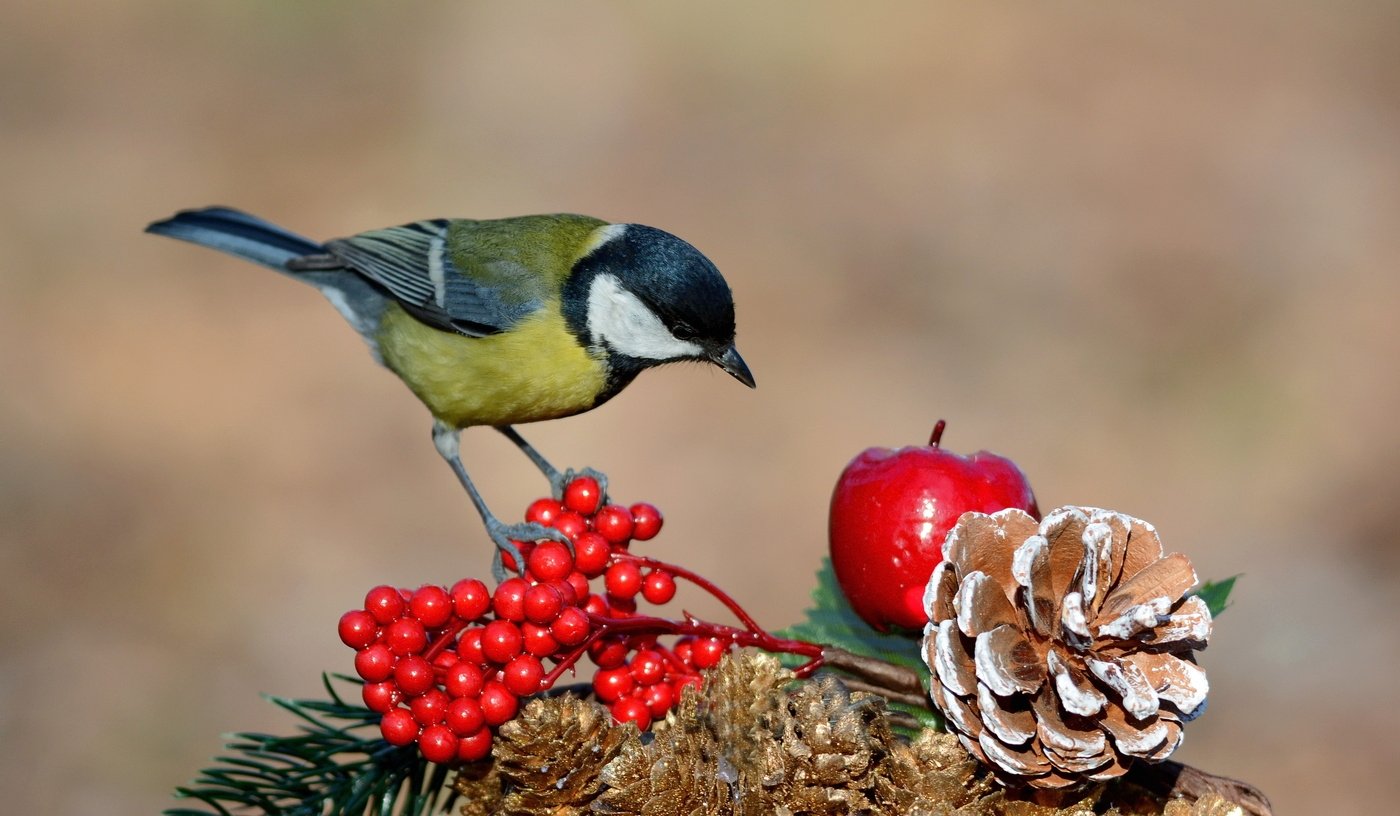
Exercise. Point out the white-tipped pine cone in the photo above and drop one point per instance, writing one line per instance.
(1062, 649)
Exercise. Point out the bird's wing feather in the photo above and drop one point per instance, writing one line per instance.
(414, 264)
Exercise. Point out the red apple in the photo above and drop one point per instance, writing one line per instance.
(891, 511)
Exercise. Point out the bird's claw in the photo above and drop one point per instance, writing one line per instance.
(506, 538)
(559, 481)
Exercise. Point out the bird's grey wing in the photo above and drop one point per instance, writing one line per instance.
(413, 264)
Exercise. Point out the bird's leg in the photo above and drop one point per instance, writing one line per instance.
(549, 471)
(557, 481)
(447, 440)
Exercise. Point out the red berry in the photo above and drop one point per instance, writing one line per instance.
(571, 524)
(891, 511)
(632, 710)
(543, 511)
(414, 675)
(374, 664)
(475, 747)
(464, 716)
(438, 744)
(463, 680)
(509, 601)
(659, 698)
(614, 523)
(623, 579)
(469, 645)
(445, 659)
(607, 653)
(583, 495)
(358, 629)
(621, 607)
(578, 582)
(571, 627)
(568, 596)
(550, 561)
(613, 684)
(385, 604)
(591, 553)
(708, 652)
(659, 587)
(498, 705)
(398, 727)
(406, 636)
(523, 675)
(542, 604)
(647, 667)
(596, 605)
(684, 650)
(646, 521)
(470, 599)
(539, 640)
(430, 708)
(501, 641)
(431, 605)
(381, 697)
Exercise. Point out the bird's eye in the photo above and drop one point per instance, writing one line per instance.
(684, 331)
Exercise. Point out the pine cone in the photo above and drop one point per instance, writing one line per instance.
(832, 741)
(931, 776)
(1063, 649)
(478, 787)
(743, 704)
(552, 754)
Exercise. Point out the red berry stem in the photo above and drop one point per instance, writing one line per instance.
(937, 435)
(642, 624)
(447, 638)
(700, 581)
(569, 660)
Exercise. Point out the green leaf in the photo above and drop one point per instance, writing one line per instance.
(831, 622)
(1216, 594)
(337, 764)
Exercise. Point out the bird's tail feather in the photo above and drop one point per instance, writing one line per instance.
(237, 233)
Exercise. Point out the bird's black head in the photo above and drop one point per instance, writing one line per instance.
(646, 297)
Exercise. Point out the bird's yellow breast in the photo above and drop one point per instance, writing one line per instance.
(535, 370)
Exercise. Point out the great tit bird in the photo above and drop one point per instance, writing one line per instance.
(503, 321)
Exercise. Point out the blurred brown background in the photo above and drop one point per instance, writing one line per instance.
(1148, 252)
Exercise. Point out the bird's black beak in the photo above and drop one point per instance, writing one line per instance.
(731, 361)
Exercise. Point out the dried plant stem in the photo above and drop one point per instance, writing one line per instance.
(887, 679)
(1168, 779)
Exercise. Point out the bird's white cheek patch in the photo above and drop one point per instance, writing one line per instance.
(620, 319)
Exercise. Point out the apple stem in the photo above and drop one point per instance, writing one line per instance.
(937, 435)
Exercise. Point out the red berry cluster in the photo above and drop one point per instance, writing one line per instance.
(446, 666)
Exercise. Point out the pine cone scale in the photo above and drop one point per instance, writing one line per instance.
(1006, 661)
(1013, 724)
(1068, 735)
(983, 605)
(1179, 682)
(951, 661)
(1076, 693)
(1168, 578)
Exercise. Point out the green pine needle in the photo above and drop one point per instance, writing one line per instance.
(336, 765)
(832, 622)
(1216, 594)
